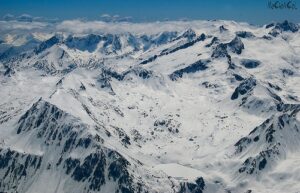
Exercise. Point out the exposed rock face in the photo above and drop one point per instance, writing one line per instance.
(245, 34)
(88, 42)
(236, 45)
(270, 141)
(48, 43)
(188, 44)
(197, 187)
(287, 26)
(250, 63)
(283, 27)
(140, 72)
(220, 51)
(189, 34)
(16, 167)
(197, 66)
(63, 135)
(106, 76)
(222, 29)
(245, 87)
(214, 40)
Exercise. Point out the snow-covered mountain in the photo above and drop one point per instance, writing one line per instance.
(184, 107)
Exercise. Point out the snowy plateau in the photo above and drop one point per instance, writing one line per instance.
(162, 107)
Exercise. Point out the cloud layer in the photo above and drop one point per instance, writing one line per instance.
(27, 24)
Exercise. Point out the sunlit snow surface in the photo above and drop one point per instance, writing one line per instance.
(174, 99)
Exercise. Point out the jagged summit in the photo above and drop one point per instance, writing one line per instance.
(48, 43)
(285, 26)
(189, 34)
(67, 145)
(271, 141)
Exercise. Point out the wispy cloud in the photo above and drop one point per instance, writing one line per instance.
(114, 25)
(78, 26)
(85, 27)
(9, 17)
(115, 18)
(27, 18)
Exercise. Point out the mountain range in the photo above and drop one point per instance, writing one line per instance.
(166, 107)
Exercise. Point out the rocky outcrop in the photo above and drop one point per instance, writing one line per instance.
(245, 87)
(270, 141)
(195, 67)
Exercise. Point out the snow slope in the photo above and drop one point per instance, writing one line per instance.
(197, 106)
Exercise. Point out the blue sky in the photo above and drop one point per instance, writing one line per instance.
(252, 11)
